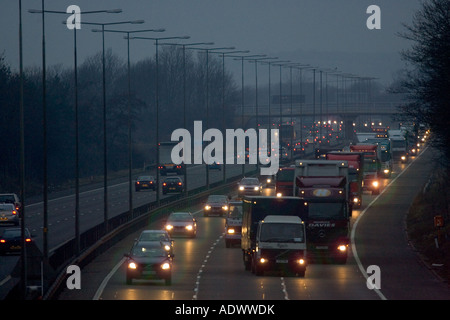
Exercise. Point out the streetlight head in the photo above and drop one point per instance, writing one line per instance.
(137, 22)
(114, 11)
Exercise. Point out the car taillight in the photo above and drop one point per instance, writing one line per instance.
(14, 212)
(2, 241)
(27, 240)
(164, 184)
(179, 183)
(138, 182)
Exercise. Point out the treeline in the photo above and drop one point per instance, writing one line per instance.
(60, 106)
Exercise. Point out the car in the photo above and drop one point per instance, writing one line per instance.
(172, 184)
(145, 182)
(160, 236)
(11, 198)
(11, 240)
(249, 186)
(9, 214)
(233, 224)
(182, 223)
(268, 180)
(216, 204)
(148, 260)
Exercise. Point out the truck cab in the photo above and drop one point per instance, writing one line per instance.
(280, 245)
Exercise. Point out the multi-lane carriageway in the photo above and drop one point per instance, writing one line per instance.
(204, 269)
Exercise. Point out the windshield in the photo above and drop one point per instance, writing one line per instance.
(330, 210)
(217, 199)
(141, 251)
(180, 217)
(385, 156)
(235, 212)
(281, 232)
(398, 143)
(153, 236)
(285, 175)
(249, 181)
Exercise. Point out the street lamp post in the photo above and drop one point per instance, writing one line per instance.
(45, 188)
(157, 105)
(130, 148)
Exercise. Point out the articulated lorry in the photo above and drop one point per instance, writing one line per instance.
(165, 164)
(323, 186)
(399, 145)
(355, 162)
(280, 245)
(256, 209)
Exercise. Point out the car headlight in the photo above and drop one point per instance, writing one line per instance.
(189, 227)
(403, 158)
(169, 227)
(230, 230)
(132, 265)
(262, 260)
(375, 184)
(355, 200)
(207, 207)
(386, 170)
(301, 261)
(165, 266)
(225, 207)
(241, 188)
(279, 194)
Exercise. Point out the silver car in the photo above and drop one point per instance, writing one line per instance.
(9, 214)
(161, 236)
(182, 223)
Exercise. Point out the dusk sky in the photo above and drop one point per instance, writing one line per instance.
(328, 34)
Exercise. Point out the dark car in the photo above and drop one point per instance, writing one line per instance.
(249, 186)
(11, 240)
(148, 260)
(216, 204)
(9, 214)
(172, 184)
(11, 198)
(145, 182)
(182, 223)
(160, 236)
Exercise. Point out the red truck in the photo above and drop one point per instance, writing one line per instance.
(355, 162)
(372, 166)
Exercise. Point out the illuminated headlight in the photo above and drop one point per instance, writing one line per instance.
(375, 184)
(355, 200)
(225, 207)
(301, 261)
(386, 171)
(241, 188)
(230, 231)
(256, 188)
(262, 260)
(403, 157)
(167, 247)
(342, 248)
(279, 194)
(169, 227)
(132, 265)
(165, 266)
(207, 207)
(269, 180)
(413, 150)
(189, 227)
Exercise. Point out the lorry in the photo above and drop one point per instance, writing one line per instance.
(399, 145)
(323, 186)
(284, 181)
(385, 154)
(280, 245)
(372, 166)
(257, 208)
(165, 163)
(355, 162)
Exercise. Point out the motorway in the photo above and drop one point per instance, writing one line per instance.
(204, 269)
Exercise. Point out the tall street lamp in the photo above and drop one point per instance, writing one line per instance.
(157, 105)
(45, 188)
(105, 158)
(130, 143)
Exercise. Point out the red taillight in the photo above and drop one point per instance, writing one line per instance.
(27, 240)
(2, 241)
(164, 184)
(14, 212)
(179, 183)
(151, 182)
(138, 182)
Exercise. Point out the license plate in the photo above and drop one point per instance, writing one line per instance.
(15, 247)
(145, 185)
(282, 261)
(171, 188)
(322, 247)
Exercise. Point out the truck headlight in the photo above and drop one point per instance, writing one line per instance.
(355, 200)
(279, 194)
(256, 188)
(225, 207)
(269, 180)
(132, 265)
(167, 247)
(241, 188)
(165, 266)
(375, 184)
(342, 248)
(262, 260)
(403, 158)
(230, 231)
(386, 171)
(301, 261)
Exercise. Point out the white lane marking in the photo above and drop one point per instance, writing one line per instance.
(355, 253)
(5, 280)
(283, 286)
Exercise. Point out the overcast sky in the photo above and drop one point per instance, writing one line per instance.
(323, 33)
